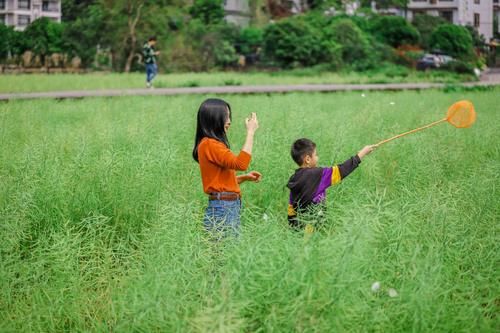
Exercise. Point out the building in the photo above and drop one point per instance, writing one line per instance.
(496, 11)
(476, 13)
(20, 13)
(237, 12)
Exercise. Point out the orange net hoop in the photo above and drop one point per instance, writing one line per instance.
(461, 114)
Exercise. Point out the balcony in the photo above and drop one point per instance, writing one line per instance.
(432, 4)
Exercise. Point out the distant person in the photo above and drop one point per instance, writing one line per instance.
(149, 53)
(309, 183)
(218, 166)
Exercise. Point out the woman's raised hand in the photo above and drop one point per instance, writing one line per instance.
(252, 123)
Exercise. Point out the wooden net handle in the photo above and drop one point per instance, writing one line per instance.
(412, 131)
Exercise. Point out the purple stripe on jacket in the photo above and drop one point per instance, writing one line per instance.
(326, 181)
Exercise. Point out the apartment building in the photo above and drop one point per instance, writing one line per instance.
(20, 13)
(476, 13)
(237, 12)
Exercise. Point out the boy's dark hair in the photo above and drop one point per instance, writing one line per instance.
(152, 38)
(301, 148)
(212, 116)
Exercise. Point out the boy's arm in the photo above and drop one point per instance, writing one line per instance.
(343, 170)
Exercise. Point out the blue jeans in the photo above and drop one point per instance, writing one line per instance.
(222, 218)
(151, 71)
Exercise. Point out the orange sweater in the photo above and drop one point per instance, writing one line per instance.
(218, 166)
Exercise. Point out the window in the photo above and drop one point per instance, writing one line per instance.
(477, 2)
(2, 4)
(419, 12)
(23, 20)
(24, 4)
(2, 18)
(49, 6)
(476, 20)
(447, 15)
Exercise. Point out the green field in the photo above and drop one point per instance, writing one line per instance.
(101, 208)
(96, 81)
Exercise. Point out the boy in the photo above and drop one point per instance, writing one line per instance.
(309, 183)
(149, 53)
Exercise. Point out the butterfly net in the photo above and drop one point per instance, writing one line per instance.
(461, 114)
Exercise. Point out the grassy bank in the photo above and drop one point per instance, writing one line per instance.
(96, 81)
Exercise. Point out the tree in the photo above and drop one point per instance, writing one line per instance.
(454, 40)
(426, 24)
(294, 41)
(356, 49)
(207, 11)
(5, 41)
(129, 22)
(44, 37)
(85, 28)
(75, 9)
(122, 18)
(395, 31)
(249, 40)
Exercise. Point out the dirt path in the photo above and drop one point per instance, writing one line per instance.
(491, 78)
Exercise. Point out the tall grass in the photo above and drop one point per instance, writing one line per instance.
(97, 81)
(101, 208)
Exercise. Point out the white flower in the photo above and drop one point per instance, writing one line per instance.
(392, 103)
(392, 292)
(265, 217)
(376, 286)
(363, 95)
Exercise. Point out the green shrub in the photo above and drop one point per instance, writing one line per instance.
(200, 47)
(453, 40)
(249, 40)
(225, 54)
(208, 11)
(458, 66)
(294, 42)
(478, 40)
(184, 56)
(425, 24)
(5, 41)
(362, 22)
(394, 30)
(355, 47)
(44, 36)
(85, 32)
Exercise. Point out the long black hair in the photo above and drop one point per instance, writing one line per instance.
(212, 116)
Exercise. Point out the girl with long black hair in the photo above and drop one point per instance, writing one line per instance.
(218, 165)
